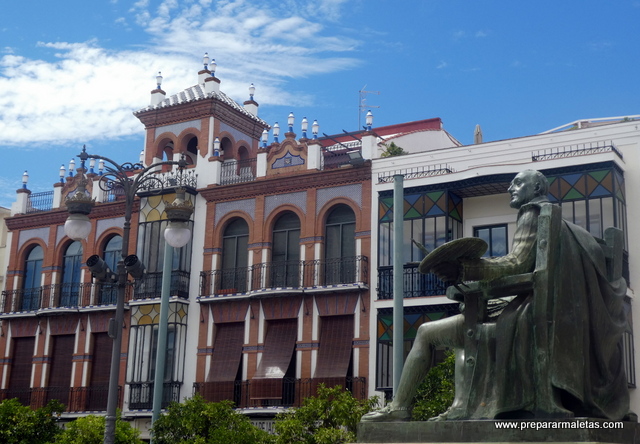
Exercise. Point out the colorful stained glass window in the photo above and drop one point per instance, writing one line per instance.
(594, 200)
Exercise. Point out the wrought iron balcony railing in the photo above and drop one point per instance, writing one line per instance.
(238, 171)
(414, 283)
(294, 391)
(67, 295)
(141, 395)
(289, 274)
(37, 202)
(75, 399)
(150, 286)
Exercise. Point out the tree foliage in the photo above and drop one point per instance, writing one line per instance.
(392, 150)
(331, 417)
(196, 421)
(90, 430)
(435, 394)
(20, 424)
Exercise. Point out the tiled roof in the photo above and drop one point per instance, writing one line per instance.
(195, 93)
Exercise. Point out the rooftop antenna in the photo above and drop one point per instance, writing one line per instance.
(362, 105)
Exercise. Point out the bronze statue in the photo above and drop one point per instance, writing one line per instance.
(548, 345)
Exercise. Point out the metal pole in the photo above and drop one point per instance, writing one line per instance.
(124, 176)
(398, 278)
(115, 332)
(161, 356)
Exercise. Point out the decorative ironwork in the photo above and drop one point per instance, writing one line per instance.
(238, 171)
(415, 284)
(335, 160)
(141, 394)
(66, 295)
(171, 179)
(150, 286)
(37, 202)
(294, 391)
(416, 173)
(575, 150)
(76, 399)
(290, 274)
(352, 144)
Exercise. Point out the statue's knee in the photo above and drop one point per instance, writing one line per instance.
(424, 331)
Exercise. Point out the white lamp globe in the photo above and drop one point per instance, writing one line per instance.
(77, 226)
(177, 234)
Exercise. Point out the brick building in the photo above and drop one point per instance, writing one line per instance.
(269, 298)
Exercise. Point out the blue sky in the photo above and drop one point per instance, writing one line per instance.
(72, 72)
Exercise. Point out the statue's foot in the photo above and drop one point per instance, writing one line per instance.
(388, 413)
(442, 416)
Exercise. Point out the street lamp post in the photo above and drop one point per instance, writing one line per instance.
(128, 178)
(176, 235)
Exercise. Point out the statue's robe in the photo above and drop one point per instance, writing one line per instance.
(588, 314)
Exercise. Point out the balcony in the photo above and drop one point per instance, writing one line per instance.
(75, 399)
(415, 284)
(238, 171)
(150, 286)
(294, 391)
(37, 202)
(314, 274)
(62, 296)
(141, 395)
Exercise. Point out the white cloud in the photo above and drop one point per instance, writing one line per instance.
(45, 101)
(442, 65)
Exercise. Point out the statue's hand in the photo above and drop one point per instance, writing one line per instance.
(448, 271)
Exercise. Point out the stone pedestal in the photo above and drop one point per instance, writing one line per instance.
(573, 430)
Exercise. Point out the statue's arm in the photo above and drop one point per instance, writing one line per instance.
(521, 259)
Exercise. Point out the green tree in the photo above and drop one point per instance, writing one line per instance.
(393, 150)
(435, 394)
(90, 430)
(196, 421)
(331, 417)
(20, 424)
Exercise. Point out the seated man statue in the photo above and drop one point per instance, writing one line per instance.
(586, 316)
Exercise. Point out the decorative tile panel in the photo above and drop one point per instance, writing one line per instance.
(104, 224)
(27, 235)
(288, 160)
(298, 199)
(353, 192)
(246, 205)
(177, 128)
(237, 135)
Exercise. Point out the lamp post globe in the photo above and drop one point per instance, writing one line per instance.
(177, 234)
(77, 226)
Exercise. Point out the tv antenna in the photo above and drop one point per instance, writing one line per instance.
(362, 105)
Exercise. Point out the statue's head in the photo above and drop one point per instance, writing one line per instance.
(526, 186)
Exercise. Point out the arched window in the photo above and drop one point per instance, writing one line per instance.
(112, 255)
(32, 279)
(235, 257)
(113, 252)
(167, 152)
(285, 253)
(192, 151)
(226, 148)
(340, 246)
(70, 288)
